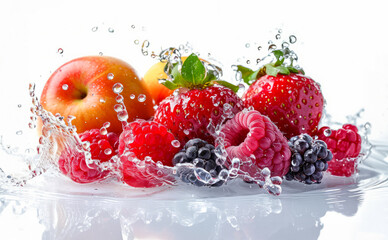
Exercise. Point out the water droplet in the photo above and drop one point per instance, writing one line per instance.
(108, 151)
(175, 143)
(118, 88)
(141, 98)
(280, 31)
(60, 50)
(285, 45)
(292, 39)
(236, 163)
(111, 30)
(223, 175)
(133, 26)
(100, 53)
(20, 132)
(106, 124)
(19, 105)
(102, 100)
(119, 98)
(277, 36)
(86, 145)
(118, 107)
(266, 172)
(94, 29)
(103, 131)
(187, 132)
(136, 42)
(132, 96)
(259, 48)
(258, 60)
(327, 132)
(65, 87)
(272, 47)
(248, 61)
(247, 45)
(122, 116)
(144, 47)
(110, 76)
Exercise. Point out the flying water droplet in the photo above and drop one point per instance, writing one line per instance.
(100, 53)
(20, 132)
(141, 98)
(119, 98)
(144, 47)
(292, 39)
(103, 131)
(122, 116)
(247, 45)
(65, 87)
(19, 105)
(132, 96)
(118, 107)
(277, 36)
(94, 29)
(111, 30)
(106, 124)
(248, 61)
(272, 47)
(133, 26)
(259, 48)
(102, 100)
(136, 42)
(118, 88)
(285, 45)
(110, 76)
(60, 50)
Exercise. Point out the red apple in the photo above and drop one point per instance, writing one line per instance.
(83, 88)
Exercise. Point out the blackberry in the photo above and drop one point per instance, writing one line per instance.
(309, 159)
(201, 154)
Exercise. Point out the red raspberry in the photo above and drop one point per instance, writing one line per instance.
(252, 133)
(345, 144)
(141, 139)
(102, 148)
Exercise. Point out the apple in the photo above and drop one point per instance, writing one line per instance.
(83, 88)
(151, 79)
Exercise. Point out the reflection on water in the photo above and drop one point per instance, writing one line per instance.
(234, 212)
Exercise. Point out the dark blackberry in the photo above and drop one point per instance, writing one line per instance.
(309, 159)
(201, 154)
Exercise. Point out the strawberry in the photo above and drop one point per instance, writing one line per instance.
(200, 100)
(293, 101)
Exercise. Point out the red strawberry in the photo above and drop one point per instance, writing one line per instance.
(200, 102)
(345, 144)
(293, 101)
(139, 140)
(102, 148)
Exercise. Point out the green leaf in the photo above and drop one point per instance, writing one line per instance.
(170, 85)
(271, 70)
(247, 74)
(210, 76)
(227, 84)
(193, 70)
(293, 70)
(277, 54)
(283, 70)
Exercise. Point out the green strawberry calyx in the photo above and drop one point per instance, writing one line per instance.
(272, 69)
(193, 74)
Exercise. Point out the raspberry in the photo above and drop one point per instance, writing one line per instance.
(309, 159)
(345, 144)
(144, 140)
(201, 154)
(250, 133)
(102, 148)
